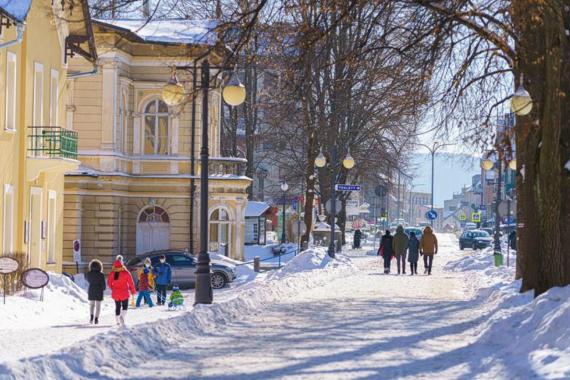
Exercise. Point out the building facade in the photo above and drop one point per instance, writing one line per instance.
(36, 40)
(132, 193)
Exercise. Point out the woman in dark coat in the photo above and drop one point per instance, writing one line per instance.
(413, 253)
(386, 249)
(97, 286)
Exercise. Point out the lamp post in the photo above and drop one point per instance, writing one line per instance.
(486, 165)
(173, 94)
(433, 150)
(284, 187)
(348, 163)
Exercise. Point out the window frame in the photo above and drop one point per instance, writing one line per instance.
(11, 58)
(54, 98)
(38, 96)
(8, 219)
(51, 227)
(156, 116)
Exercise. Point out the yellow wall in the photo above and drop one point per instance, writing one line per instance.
(41, 44)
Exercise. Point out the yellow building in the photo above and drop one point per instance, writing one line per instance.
(131, 193)
(36, 39)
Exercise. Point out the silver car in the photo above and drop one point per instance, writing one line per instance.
(183, 267)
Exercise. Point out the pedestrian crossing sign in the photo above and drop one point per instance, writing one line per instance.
(462, 217)
(476, 217)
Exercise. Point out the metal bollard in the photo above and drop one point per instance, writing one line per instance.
(256, 264)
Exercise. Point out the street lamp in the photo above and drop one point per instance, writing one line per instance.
(433, 150)
(173, 94)
(348, 163)
(521, 102)
(284, 187)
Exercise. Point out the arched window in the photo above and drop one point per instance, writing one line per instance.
(156, 128)
(154, 214)
(219, 228)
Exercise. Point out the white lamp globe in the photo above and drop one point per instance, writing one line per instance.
(320, 161)
(513, 164)
(234, 92)
(173, 92)
(487, 164)
(284, 186)
(521, 102)
(348, 161)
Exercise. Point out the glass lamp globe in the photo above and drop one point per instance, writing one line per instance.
(487, 164)
(173, 92)
(348, 161)
(513, 164)
(234, 92)
(284, 186)
(320, 161)
(521, 102)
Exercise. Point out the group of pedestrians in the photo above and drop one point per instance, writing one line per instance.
(122, 286)
(401, 246)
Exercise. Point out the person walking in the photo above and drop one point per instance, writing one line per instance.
(357, 238)
(400, 247)
(413, 253)
(97, 286)
(145, 284)
(428, 248)
(387, 250)
(163, 276)
(122, 287)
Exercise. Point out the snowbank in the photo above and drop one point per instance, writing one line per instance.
(532, 335)
(25, 310)
(109, 355)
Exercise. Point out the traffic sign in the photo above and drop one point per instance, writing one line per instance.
(328, 206)
(482, 207)
(476, 217)
(462, 216)
(380, 191)
(431, 215)
(343, 187)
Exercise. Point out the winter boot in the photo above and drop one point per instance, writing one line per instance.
(122, 317)
(96, 321)
(91, 320)
(118, 319)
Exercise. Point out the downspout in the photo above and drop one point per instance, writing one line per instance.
(85, 74)
(20, 27)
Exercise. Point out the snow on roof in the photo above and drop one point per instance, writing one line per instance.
(254, 209)
(17, 10)
(177, 31)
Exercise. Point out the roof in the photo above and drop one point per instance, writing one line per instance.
(173, 31)
(255, 209)
(325, 227)
(17, 10)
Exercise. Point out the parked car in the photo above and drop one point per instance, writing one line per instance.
(184, 268)
(476, 239)
(416, 230)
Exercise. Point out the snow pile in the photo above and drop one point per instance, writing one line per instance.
(61, 297)
(110, 355)
(529, 334)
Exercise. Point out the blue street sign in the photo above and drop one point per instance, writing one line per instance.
(482, 207)
(431, 215)
(342, 187)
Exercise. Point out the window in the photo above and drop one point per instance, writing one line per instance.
(154, 214)
(122, 135)
(8, 219)
(11, 81)
(182, 261)
(51, 227)
(156, 128)
(54, 98)
(38, 94)
(219, 228)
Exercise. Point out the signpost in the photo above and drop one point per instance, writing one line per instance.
(7, 265)
(35, 278)
(431, 215)
(77, 254)
(343, 187)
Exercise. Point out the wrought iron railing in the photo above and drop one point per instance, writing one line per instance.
(52, 142)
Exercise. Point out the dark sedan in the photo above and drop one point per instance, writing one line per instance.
(184, 267)
(476, 239)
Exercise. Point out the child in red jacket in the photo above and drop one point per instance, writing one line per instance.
(122, 286)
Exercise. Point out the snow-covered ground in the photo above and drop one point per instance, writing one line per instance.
(316, 318)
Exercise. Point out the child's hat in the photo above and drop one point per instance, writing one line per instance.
(175, 287)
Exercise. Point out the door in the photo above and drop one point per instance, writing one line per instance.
(35, 243)
(153, 230)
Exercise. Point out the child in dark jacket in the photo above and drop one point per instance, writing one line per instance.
(97, 286)
(145, 287)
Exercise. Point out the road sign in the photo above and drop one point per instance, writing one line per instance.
(482, 207)
(77, 251)
(328, 206)
(476, 217)
(462, 217)
(343, 187)
(431, 215)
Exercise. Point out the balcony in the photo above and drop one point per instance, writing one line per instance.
(226, 166)
(51, 149)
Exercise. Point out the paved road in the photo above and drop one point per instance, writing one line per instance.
(371, 325)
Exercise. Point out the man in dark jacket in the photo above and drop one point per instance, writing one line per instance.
(163, 274)
(387, 251)
(413, 253)
(400, 245)
(97, 286)
(357, 238)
